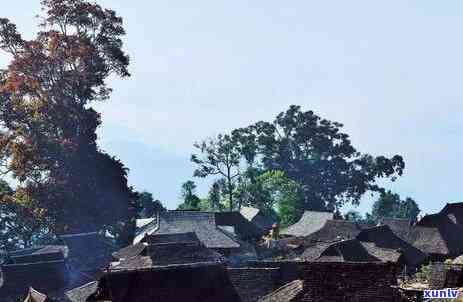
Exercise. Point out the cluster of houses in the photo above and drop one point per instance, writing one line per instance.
(229, 256)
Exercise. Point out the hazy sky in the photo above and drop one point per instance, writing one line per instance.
(391, 71)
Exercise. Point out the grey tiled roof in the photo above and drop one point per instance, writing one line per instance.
(130, 251)
(334, 230)
(454, 211)
(383, 237)
(35, 296)
(400, 227)
(259, 218)
(168, 254)
(243, 227)
(350, 251)
(309, 223)
(201, 223)
(81, 293)
(156, 238)
(287, 293)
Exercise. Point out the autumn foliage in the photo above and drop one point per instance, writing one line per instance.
(48, 138)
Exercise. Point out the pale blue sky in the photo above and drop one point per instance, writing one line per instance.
(391, 71)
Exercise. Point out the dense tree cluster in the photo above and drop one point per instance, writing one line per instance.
(299, 155)
(48, 136)
(388, 205)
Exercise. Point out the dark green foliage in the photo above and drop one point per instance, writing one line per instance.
(190, 200)
(219, 157)
(146, 206)
(389, 205)
(315, 153)
(354, 216)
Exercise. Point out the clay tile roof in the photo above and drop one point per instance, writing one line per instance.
(254, 283)
(168, 254)
(334, 230)
(400, 227)
(82, 293)
(349, 251)
(130, 251)
(259, 218)
(189, 237)
(383, 237)
(436, 241)
(243, 227)
(88, 252)
(309, 223)
(287, 293)
(249, 212)
(201, 223)
(455, 211)
(36, 296)
(37, 254)
(437, 234)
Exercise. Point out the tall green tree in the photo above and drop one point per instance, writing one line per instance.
(214, 197)
(188, 194)
(147, 206)
(315, 153)
(272, 192)
(390, 205)
(354, 216)
(48, 127)
(219, 157)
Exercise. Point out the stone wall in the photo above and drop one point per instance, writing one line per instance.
(356, 282)
(445, 275)
(254, 283)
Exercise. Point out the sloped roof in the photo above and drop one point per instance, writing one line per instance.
(383, 254)
(349, 251)
(82, 293)
(37, 254)
(435, 221)
(243, 227)
(249, 212)
(287, 293)
(43, 276)
(168, 254)
(88, 252)
(189, 237)
(254, 283)
(140, 223)
(201, 223)
(383, 237)
(400, 227)
(309, 223)
(454, 211)
(36, 296)
(130, 251)
(334, 230)
(259, 218)
(438, 234)
(436, 241)
(313, 250)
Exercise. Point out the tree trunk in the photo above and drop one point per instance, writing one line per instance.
(230, 189)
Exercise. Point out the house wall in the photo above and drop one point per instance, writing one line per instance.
(254, 283)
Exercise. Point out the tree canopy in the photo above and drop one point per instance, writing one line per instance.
(390, 205)
(188, 194)
(48, 136)
(310, 150)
